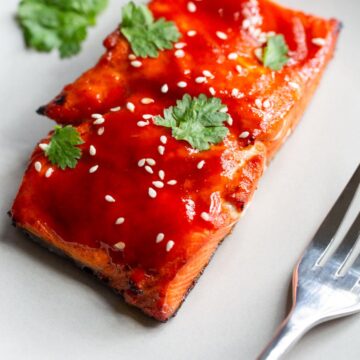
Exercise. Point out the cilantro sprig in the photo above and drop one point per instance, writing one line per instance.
(62, 149)
(58, 24)
(145, 35)
(275, 53)
(199, 121)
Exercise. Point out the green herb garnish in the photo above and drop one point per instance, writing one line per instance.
(145, 35)
(58, 24)
(62, 149)
(199, 121)
(275, 54)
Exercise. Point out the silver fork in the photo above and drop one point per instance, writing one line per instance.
(321, 292)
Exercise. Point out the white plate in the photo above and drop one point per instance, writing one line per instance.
(51, 310)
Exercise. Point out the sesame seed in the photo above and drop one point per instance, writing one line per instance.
(158, 184)
(165, 88)
(169, 245)
(318, 41)
(96, 116)
(232, 56)
(136, 63)
(141, 163)
(151, 161)
(109, 198)
(161, 149)
(93, 169)
(99, 121)
(230, 120)
(147, 101)
(38, 166)
(92, 150)
(294, 85)
(172, 182)
(246, 24)
(212, 91)
(119, 221)
(180, 53)
(221, 35)
(200, 164)
(132, 57)
(205, 216)
(162, 174)
(258, 103)
(142, 123)
(114, 109)
(163, 139)
(238, 94)
(182, 84)
(147, 116)
(187, 72)
(43, 146)
(239, 69)
(191, 7)
(152, 193)
(244, 135)
(266, 104)
(191, 33)
(160, 237)
(149, 169)
(49, 172)
(130, 106)
(200, 80)
(255, 32)
(207, 73)
(120, 245)
(235, 92)
(180, 45)
(101, 131)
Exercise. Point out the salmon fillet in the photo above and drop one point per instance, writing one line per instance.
(151, 246)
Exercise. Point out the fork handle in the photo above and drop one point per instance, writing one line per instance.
(286, 336)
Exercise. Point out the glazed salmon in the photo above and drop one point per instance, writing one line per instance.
(142, 210)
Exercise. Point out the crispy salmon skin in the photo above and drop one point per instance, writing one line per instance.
(146, 211)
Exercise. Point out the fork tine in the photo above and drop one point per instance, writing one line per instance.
(356, 265)
(347, 246)
(327, 230)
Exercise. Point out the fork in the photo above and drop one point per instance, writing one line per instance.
(322, 292)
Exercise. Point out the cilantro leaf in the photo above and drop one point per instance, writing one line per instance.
(199, 121)
(145, 35)
(57, 24)
(275, 54)
(62, 150)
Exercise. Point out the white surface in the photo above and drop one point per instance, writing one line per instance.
(50, 310)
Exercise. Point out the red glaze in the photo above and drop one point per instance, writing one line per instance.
(113, 81)
(73, 204)
(266, 104)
